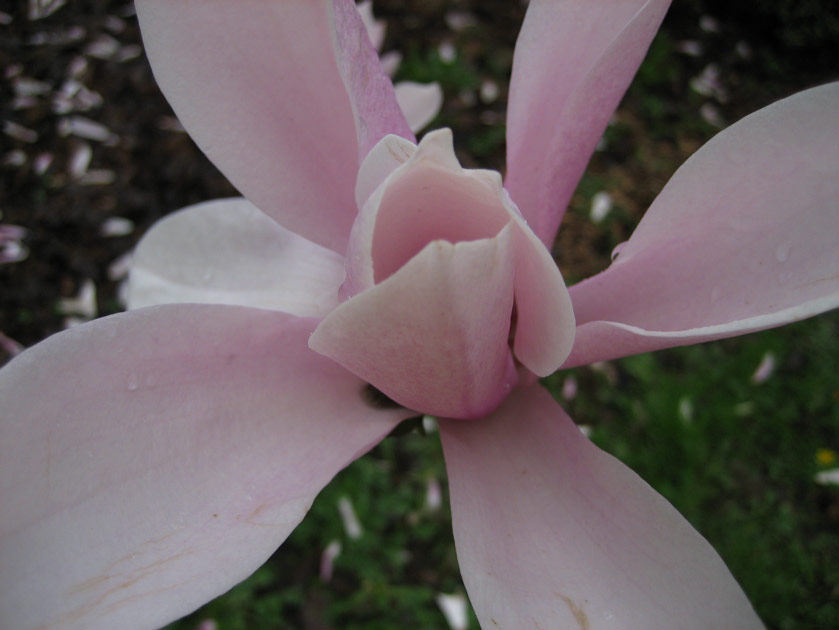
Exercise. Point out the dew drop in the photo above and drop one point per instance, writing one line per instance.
(618, 249)
(133, 383)
(782, 252)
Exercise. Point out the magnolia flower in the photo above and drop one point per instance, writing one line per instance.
(153, 459)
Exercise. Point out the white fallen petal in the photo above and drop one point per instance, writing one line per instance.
(454, 609)
(119, 268)
(98, 177)
(79, 160)
(460, 20)
(114, 24)
(63, 37)
(569, 388)
(26, 86)
(601, 205)
(433, 495)
(327, 560)
(764, 369)
(390, 62)
(19, 132)
(127, 53)
(489, 91)
(352, 526)
(85, 128)
(14, 158)
(420, 102)
(686, 410)
(711, 115)
(828, 477)
(103, 47)
(13, 251)
(84, 304)
(375, 28)
(42, 162)
(690, 47)
(447, 52)
(77, 67)
(709, 24)
(116, 226)
(39, 9)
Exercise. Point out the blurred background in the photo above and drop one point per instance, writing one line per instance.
(741, 435)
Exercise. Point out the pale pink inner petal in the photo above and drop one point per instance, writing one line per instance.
(545, 325)
(257, 86)
(429, 196)
(428, 203)
(552, 532)
(153, 459)
(374, 105)
(743, 237)
(389, 154)
(572, 64)
(426, 197)
(433, 336)
(229, 252)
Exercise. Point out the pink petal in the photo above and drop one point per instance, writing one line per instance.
(153, 459)
(552, 532)
(545, 325)
(744, 237)
(572, 64)
(374, 105)
(424, 194)
(420, 102)
(258, 87)
(433, 336)
(229, 252)
(427, 195)
(389, 154)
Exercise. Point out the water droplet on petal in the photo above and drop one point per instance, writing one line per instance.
(133, 383)
(618, 248)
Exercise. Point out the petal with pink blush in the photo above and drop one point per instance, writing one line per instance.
(433, 336)
(388, 155)
(425, 197)
(573, 62)
(551, 532)
(545, 325)
(178, 447)
(374, 105)
(229, 252)
(742, 238)
(257, 86)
